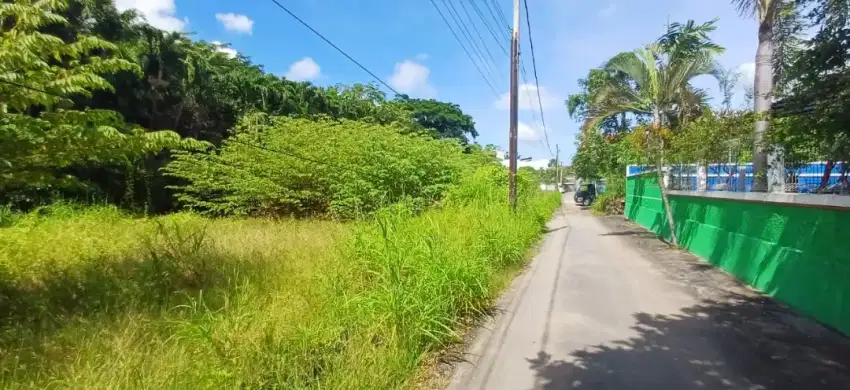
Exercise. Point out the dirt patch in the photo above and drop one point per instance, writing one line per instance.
(797, 350)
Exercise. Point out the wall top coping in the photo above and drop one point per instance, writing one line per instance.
(828, 201)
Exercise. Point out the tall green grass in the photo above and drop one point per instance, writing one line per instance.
(91, 298)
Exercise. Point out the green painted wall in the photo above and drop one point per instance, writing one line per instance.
(799, 255)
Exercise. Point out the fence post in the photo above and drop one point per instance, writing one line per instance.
(742, 180)
(775, 172)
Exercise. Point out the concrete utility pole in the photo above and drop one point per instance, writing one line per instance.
(512, 150)
(557, 167)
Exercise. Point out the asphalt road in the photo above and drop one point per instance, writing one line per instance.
(596, 311)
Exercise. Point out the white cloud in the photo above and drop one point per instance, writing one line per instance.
(748, 74)
(527, 133)
(236, 22)
(223, 48)
(608, 11)
(536, 164)
(422, 56)
(158, 13)
(304, 69)
(527, 98)
(412, 78)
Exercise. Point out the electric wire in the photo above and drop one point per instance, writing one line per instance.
(459, 41)
(450, 8)
(328, 41)
(536, 80)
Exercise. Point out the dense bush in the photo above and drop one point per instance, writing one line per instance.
(608, 204)
(285, 166)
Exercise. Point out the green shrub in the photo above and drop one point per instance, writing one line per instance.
(608, 204)
(616, 185)
(488, 184)
(339, 168)
(7, 216)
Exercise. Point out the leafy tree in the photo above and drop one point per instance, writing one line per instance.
(40, 73)
(367, 102)
(578, 105)
(137, 81)
(816, 103)
(598, 156)
(445, 119)
(715, 137)
(659, 89)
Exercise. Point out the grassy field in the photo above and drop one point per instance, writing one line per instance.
(91, 298)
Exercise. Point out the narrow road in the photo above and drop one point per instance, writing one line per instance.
(595, 312)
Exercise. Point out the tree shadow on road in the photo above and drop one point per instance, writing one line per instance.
(641, 233)
(745, 343)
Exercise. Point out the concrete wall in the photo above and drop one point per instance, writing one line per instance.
(797, 253)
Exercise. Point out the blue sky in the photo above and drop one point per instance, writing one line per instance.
(407, 44)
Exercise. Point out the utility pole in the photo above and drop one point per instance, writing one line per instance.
(557, 167)
(512, 150)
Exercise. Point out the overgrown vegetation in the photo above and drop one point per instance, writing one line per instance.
(283, 166)
(92, 298)
(94, 101)
(227, 291)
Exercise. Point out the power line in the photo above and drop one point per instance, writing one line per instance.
(533, 112)
(534, 68)
(480, 39)
(501, 14)
(478, 68)
(334, 46)
(503, 22)
(32, 88)
(489, 28)
(527, 94)
(450, 8)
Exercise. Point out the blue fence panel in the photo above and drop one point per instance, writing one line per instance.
(805, 178)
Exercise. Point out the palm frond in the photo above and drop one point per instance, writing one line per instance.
(747, 8)
(614, 98)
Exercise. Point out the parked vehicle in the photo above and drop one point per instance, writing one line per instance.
(585, 195)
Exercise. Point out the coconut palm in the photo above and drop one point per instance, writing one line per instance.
(766, 13)
(658, 87)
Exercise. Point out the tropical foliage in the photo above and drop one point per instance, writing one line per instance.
(805, 78)
(42, 132)
(652, 85)
(814, 105)
(286, 166)
(76, 74)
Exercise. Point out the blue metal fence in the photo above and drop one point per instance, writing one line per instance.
(801, 178)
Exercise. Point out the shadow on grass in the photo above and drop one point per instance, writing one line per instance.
(161, 275)
(746, 343)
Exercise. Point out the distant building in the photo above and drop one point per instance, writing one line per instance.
(536, 164)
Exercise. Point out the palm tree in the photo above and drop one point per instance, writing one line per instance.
(767, 12)
(658, 87)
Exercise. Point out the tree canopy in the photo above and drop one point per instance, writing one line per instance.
(78, 73)
(446, 119)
